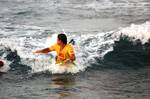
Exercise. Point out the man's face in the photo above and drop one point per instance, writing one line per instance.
(59, 42)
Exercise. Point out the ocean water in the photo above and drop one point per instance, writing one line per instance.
(112, 46)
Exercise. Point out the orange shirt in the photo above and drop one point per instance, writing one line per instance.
(63, 54)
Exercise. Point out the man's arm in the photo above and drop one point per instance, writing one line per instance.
(71, 53)
(72, 57)
(45, 50)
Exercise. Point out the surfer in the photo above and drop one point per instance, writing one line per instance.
(64, 50)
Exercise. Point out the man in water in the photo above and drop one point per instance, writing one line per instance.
(65, 52)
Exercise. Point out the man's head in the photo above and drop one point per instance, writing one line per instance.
(1, 63)
(61, 39)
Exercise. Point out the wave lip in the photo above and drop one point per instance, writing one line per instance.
(141, 32)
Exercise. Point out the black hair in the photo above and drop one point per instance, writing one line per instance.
(72, 42)
(63, 38)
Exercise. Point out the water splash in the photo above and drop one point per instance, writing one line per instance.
(141, 32)
(87, 48)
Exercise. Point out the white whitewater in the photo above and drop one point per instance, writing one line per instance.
(87, 47)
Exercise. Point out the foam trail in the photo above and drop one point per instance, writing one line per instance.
(51, 40)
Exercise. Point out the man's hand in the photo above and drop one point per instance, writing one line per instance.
(67, 61)
(36, 51)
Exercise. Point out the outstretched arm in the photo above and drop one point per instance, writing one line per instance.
(45, 50)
